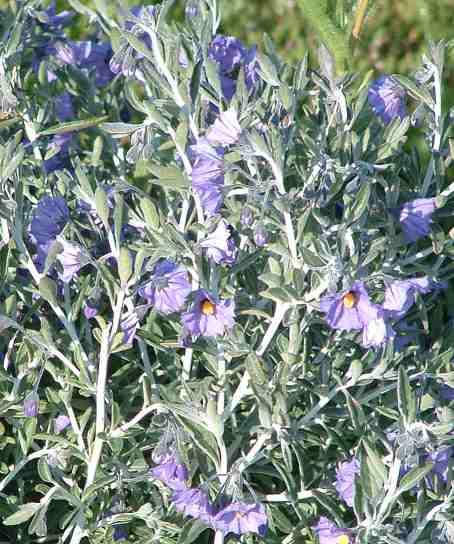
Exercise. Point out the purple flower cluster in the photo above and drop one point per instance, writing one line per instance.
(237, 517)
(207, 174)
(353, 309)
(231, 55)
(169, 289)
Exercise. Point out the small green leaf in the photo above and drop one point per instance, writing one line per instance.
(413, 477)
(125, 265)
(267, 70)
(191, 531)
(361, 202)
(416, 91)
(73, 126)
(25, 512)
(150, 212)
(406, 401)
(170, 177)
(48, 290)
(102, 207)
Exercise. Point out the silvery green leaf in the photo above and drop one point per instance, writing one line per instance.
(406, 398)
(414, 476)
(25, 512)
(169, 177)
(268, 70)
(419, 92)
(73, 126)
(120, 130)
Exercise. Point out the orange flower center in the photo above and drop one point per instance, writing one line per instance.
(239, 515)
(343, 539)
(349, 300)
(208, 307)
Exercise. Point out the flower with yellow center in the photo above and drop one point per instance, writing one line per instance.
(350, 299)
(343, 539)
(208, 307)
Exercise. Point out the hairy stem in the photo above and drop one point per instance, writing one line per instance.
(330, 34)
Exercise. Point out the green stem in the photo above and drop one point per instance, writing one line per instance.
(329, 33)
(359, 18)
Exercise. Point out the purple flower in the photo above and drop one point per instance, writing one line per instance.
(208, 176)
(72, 259)
(226, 129)
(64, 107)
(230, 54)
(61, 422)
(387, 98)
(351, 310)
(328, 533)
(400, 294)
(90, 309)
(86, 55)
(120, 533)
(31, 405)
(415, 218)
(246, 217)
(377, 332)
(49, 219)
(171, 472)
(441, 459)
(54, 20)
(345, 480)
(260, 236)
(193, 502)
(129, 324)
(60, 159)
(446, 392)
(168, 289)
(208, 316)
(219, 245)
(241, 518)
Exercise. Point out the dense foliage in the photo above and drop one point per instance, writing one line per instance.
(225, 286)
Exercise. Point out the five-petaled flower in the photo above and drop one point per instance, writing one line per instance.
(168, 288)
(241, 518)
(329, 533)
(207, 175)
(350, 310)
(193, 502)
(415, 218)
(345, 480)
(171, 472)
(208, 315)
(219, 246)
(387, 99)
